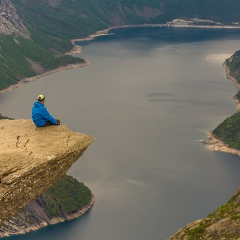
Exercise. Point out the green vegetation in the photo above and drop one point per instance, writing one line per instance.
(18, 54)
(234, 65)
(229, 131)
(53, 24)
(69, 196)
(65, 197)
(197, 232)
(79, 17)
(229, 212)
(4, 117)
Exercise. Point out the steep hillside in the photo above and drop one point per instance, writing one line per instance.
(233, 63)
(229, 131)
(64, 200)
(36, 34)
(223, 224)
(10, 22)
(78, 18)
(25, 53)
(233, 69)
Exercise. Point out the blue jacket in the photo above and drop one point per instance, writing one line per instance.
(40, 115)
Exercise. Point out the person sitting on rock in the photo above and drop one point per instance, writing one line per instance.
(40, 115)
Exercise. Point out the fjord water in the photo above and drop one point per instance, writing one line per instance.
(148, 96)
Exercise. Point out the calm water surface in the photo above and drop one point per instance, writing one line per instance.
(147, 97)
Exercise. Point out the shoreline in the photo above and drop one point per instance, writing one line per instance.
(231, 78)
(76, 50)
(177, 23)
(44, 74)
(215, 144)
(171, 24)
(53, 221)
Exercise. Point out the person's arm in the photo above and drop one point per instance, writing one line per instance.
(48, 116)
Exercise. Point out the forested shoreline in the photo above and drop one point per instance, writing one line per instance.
(67, 199)
(52, 25)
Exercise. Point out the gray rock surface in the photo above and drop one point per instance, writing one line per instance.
(10, 22)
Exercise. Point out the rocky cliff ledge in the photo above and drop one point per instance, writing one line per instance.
(32, 159)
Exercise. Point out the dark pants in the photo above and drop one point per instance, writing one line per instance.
(49, 123)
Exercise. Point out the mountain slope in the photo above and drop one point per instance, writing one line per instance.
(65, 200)
(10, 22)
(42, 29)
(223, 224)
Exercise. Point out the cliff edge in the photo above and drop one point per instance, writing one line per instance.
(32, 159)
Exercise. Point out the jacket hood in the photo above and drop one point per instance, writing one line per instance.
(38, 104)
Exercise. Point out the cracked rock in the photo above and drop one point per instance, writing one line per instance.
(32, 159)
